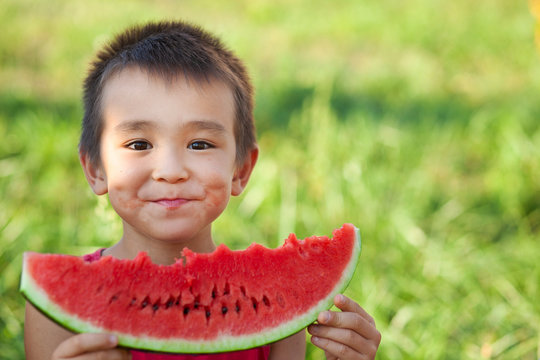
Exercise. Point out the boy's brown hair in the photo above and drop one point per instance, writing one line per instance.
(168, 49)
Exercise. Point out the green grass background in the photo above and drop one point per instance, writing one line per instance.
(417, 121)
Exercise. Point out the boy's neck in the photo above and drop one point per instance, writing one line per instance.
(160, 252)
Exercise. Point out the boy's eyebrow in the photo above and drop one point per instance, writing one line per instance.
(133, 125)
(138, 125)
(205, 125)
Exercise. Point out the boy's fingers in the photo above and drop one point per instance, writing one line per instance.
(346, 337)
(346, 334)
(349, 320)
(113, 354)
(83, 343)
(346, 304)
(336, 349)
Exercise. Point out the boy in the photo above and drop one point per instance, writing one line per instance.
(168, 134)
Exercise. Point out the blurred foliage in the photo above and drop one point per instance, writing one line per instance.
(417, 121)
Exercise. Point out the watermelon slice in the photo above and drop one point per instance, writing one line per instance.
(204, 303)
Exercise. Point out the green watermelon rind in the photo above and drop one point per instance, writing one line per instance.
(41, 301)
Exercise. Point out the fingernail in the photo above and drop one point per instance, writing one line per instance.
(324, 317)
(315, 339)
(113, 339)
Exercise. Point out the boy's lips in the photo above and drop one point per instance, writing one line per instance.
(171, 203)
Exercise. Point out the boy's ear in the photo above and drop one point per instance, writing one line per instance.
(95, 175)
(243, 172)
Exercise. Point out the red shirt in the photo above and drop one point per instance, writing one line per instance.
(260, 353)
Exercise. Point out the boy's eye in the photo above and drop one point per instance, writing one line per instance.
(139, 145)
(199, 145)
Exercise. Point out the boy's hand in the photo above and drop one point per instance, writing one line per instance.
(350, 334)
(90, 346)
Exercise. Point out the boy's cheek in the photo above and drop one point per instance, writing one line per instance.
(119, 202)
(218, 197)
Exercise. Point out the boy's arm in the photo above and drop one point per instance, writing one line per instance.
(44, 339)
(41, 335)
(292, 347)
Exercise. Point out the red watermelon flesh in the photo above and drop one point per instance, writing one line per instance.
(222, 301)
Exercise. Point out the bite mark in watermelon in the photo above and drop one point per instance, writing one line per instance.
(223, 301)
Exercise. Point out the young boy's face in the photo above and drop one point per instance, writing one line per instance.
(167, 155)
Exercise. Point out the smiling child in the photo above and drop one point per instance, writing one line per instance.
(168, 134)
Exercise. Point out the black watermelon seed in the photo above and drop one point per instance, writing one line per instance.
(186, 310)
(224, 310)
(255, 303)
(208, 314)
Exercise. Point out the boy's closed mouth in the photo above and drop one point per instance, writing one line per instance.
(171, 203)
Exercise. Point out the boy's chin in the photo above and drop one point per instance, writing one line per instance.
(172, 235)
(182, 238)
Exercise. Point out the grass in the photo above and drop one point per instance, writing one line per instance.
(416, 122)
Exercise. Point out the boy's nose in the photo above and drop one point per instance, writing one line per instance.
(170, 167)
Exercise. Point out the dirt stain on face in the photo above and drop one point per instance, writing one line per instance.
(127, 203)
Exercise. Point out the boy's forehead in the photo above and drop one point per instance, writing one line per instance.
(136, 92)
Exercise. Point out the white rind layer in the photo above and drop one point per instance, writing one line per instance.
(222, 344)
